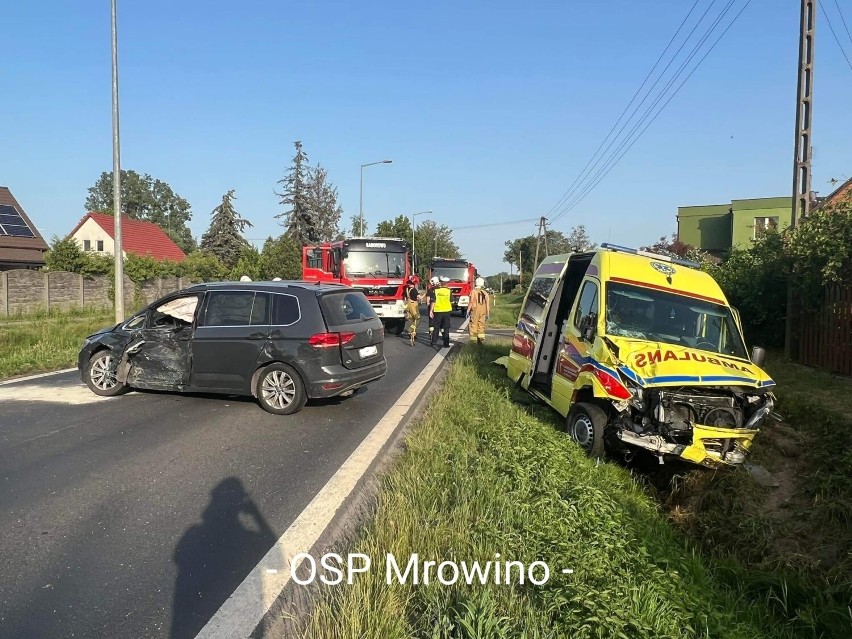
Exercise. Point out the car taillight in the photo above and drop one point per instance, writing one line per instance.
(325, 340)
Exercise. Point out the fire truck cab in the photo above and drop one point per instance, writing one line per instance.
(461, 275)
(378, 266)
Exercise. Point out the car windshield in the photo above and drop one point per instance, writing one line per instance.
(660, 316)
(375, 263)
(453, 273)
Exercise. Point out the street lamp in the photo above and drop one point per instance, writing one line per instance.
(361, 206)
(413, 215)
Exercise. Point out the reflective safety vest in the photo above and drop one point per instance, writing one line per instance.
(443, 300)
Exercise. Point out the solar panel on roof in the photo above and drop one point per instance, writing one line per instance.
(18, 231)
(11, 222)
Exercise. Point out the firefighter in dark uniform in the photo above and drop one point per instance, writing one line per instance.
(412, 308)
(440, 308)
(433, 282)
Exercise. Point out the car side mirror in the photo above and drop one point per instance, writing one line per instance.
(758, 355)
(588, 327)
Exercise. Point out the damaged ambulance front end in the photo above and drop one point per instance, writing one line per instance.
(678, 402)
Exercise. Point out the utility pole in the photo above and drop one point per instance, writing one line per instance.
(520, 267)
(546, 250)
(802, 146)
(538, 241)
(118, 250)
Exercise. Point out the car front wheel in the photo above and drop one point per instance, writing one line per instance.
(100, 375)
(280, 390)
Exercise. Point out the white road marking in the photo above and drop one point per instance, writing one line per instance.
(40, 375)
(75, 394)
(244, 609)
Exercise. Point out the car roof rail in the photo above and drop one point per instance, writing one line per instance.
(656, 256)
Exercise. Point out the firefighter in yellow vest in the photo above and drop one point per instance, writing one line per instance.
(440, 308)
(478, 311)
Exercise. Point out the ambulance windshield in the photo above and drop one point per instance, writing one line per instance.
(660, 316)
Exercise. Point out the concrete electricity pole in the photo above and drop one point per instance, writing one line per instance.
(541, 224)
(802, 146)
(118, 251)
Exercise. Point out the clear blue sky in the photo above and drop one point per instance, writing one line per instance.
(488, 110)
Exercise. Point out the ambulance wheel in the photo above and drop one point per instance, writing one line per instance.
(586, 427)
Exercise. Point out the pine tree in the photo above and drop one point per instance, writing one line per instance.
(297, 217)
(322, 198)
(224, 237)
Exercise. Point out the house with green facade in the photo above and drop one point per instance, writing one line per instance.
(716, 228)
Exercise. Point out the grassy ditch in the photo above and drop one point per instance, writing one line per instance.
(47, 340)
(505, 310)
(484, 473)
(795, 536)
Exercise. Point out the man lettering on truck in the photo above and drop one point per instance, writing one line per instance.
(440, 308)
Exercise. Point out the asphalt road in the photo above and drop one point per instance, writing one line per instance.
(138, 516)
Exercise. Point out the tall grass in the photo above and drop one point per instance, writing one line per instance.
(483, 474)
(46, 340)
(504, 313)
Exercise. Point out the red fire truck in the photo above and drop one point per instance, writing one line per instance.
(462, 277)
(378, 266)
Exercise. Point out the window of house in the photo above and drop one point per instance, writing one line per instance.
(588, 302)
(100, 246)
(764, 224)
(87, 245)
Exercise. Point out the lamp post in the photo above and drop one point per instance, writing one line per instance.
(118, 250)
(361, 205)
(413, 215)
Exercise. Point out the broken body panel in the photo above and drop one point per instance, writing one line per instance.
(653, 343)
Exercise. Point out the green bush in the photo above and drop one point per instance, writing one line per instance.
(755, 282)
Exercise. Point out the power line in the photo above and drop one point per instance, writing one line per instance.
(836, 39)
(843, 20)
(621, 150)
(568, 192)
(479, 226)
(610, 161)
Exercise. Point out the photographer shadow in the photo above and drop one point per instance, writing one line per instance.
(214, 556)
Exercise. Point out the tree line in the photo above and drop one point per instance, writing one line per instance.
(310, 213)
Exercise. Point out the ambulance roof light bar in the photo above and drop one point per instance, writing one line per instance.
(655, 256)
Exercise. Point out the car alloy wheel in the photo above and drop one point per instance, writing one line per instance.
(102, 374)
(278, 389)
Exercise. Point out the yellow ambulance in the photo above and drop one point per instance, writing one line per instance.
(640, 351)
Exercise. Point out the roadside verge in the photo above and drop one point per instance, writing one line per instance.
(486, 479)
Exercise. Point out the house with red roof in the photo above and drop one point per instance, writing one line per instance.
(96, 233)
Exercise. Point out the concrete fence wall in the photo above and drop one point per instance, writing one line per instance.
(24, 291)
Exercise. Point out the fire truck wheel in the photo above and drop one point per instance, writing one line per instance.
(397, 327)
(586, 427)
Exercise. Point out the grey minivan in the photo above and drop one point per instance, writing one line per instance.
(281, 342)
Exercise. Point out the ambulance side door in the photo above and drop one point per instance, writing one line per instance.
(575, 351)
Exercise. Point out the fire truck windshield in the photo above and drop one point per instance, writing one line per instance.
(454, 273)
(374, 263)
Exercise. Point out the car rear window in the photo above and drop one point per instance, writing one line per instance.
(346, 307)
